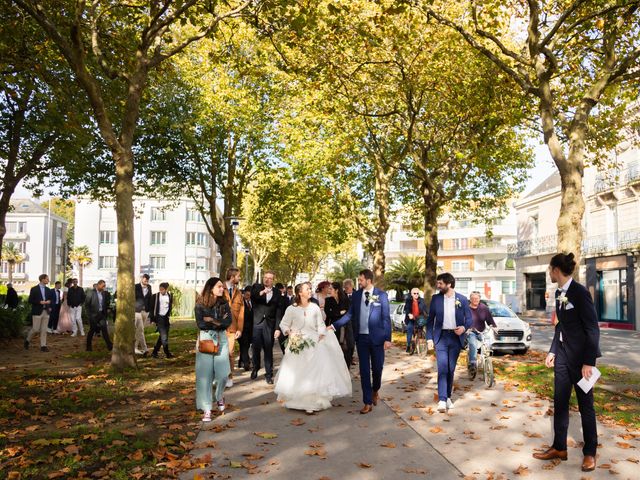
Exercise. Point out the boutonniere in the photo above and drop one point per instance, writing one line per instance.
(564, 300)
(458, 304)
(374, 298)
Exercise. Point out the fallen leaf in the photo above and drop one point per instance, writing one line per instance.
(624, 445)
(266, 435)
(252, 456)
(297, 422)
(388, 445)
(317, 452)
(364, 465)
(435, 430)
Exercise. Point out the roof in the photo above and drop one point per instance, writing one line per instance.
(552, 182)
(26, 206)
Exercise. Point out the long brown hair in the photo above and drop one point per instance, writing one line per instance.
(207, 298)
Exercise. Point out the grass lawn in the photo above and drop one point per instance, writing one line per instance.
(66, 414)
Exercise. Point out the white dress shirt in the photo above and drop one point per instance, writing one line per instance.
(449, 320)
(564, 289)
(164, 304)
(269, 295)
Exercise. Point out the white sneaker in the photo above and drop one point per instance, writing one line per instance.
(442, 406)
(229, 383)
(49, 331)
(74, 334)
(138, 352)
(449, 404)
(207, 416)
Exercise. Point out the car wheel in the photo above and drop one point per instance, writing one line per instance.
(522, 351)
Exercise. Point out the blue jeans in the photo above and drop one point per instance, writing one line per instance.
(410, 326)
(210, 368)
(447, 352)
(475, 339)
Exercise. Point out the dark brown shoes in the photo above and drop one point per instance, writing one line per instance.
(375, 398)
(366, 409)
(589, 463)
(550, 454)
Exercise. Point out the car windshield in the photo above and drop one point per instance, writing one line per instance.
(498, 310)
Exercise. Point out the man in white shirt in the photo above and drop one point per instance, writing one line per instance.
(161, 312)
(449, 318)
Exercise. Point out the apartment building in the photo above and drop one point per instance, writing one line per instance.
(172, 242)
(40, 237)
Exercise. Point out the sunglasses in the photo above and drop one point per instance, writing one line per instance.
(415, 294)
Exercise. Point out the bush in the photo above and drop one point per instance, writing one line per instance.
(12, 322)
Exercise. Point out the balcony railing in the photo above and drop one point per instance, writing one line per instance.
(622, 241)
(617, 178)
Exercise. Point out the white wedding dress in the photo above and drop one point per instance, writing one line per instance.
(310, 379)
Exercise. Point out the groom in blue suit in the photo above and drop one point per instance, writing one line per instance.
(371, 321)
(449, 318)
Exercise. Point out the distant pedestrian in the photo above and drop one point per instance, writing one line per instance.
(415, 315)
(234, 296)
(347, 286)
(97, 304)
(143, 307)
(64, 323)
(40, 300)
(12, 299)
(56, 304)
(481, 318)
(162, 305)
(75, 300)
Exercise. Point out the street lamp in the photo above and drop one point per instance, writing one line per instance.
(235, 224)
(247, 251)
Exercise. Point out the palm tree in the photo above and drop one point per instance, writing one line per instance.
(405, 273)
(349, 268)
(13, 256)
(81, 256)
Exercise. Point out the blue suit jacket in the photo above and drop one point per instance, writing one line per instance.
(379, 317)
(436, 317)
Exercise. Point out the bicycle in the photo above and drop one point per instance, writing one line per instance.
(419, 340)
(484, 360)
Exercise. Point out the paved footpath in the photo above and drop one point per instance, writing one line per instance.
(490, 434)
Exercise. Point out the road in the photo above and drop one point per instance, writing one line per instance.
(620, 348)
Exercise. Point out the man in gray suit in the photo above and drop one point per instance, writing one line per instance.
(96, 306)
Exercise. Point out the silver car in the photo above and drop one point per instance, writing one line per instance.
(512, 333)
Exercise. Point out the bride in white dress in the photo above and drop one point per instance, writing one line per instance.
(309, 380)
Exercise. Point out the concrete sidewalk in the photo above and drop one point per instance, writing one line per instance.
(335, 444)
(491, 433)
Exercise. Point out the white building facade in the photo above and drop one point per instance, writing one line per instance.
(610, 247)
(40, 237)
(172, 242)
(476, 254)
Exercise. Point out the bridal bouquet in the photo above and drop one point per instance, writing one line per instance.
(296, 343)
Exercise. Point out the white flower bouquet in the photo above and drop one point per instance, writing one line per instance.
(296, 343)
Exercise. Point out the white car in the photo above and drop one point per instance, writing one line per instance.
(512, 333)
(397, 317)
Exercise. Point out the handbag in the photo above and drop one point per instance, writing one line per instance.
(208, 346)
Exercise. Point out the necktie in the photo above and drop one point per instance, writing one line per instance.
(230, 292)
(366, 298)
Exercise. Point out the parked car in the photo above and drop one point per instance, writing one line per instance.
(397, 317)
(512, 333)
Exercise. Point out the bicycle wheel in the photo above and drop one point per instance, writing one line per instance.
(421, 345)
(488, 372)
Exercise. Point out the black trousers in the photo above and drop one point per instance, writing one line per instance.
(244, 360)
(263, 340)
(54, 316)
(96, 325)
(162, 322)
(566, 378)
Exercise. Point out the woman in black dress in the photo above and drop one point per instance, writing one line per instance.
(335, 306)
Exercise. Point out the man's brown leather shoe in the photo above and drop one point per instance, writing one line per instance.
(366, 409)
(589, 463)
(375, 398)
(550, 454)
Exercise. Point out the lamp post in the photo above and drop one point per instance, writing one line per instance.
(235, 224)
(247, 251)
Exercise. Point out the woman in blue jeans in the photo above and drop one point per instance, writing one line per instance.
(414, 309)
(213, 317)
